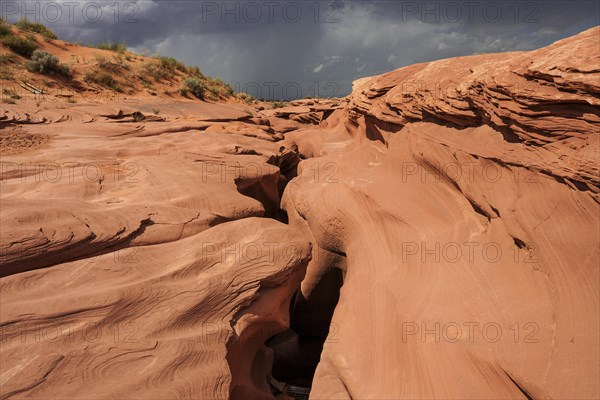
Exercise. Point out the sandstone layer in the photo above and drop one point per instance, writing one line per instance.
(460, 200)
(433, 235)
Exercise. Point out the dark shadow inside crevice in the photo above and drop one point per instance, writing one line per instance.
(265, 189)
(268, 189)
(297, 351)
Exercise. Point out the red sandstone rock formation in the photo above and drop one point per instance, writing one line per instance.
(460, 200)
(443, 234)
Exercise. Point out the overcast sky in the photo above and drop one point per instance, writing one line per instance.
(288, 49)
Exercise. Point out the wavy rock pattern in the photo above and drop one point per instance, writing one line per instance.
(135, 261)
(443, 231)
(466, 226)
(175, 320)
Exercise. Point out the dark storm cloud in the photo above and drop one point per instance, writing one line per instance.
(286, 49)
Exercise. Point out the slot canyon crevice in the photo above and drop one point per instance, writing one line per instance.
(390, 244)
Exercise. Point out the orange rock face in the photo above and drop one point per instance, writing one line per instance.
(133, 266)
(460, 200)
(433, 235)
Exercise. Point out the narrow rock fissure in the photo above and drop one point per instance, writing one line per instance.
(519, 387)
(296, 351)
(268, 190)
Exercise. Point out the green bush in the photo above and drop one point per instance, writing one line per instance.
(216, 86)
(138, 116)
(245, 97)
(171, 64)
(47, 63)
(160, 68)
(117, 47)
(194, 86)
(4, 28)
(19, 45)
(26, 25)
(152, 69)
(195, 71)
(220, 90)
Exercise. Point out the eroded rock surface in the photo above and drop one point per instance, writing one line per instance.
(186, 319)
(466, 223)
(443, 232)
(143, 258)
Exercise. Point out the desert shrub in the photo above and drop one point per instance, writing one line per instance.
(278, 104)
(159, 68)
(4, 28)
(7, 58)
(195, 71)
(138, 116)
(117, 47)
(47, 63)
(171, 64)
(26, 25)
(245, 97)
(220, 91)
(219, 88)
(113, 65)
(24, 47)
(194, 86)
(103, 79)
(152, 69)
